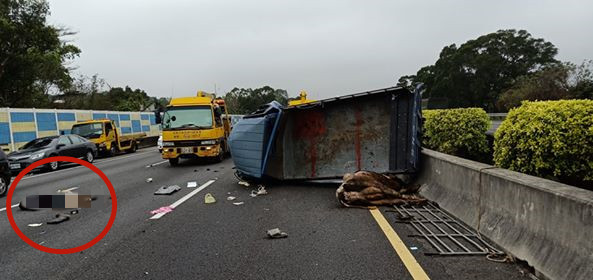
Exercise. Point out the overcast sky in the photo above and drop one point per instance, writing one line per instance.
(329, 48)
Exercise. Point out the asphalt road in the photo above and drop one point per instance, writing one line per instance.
(212, 241)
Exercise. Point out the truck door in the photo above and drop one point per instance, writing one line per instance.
(109, 132)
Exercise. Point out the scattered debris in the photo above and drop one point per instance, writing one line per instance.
(67, 190)
(167, 190)
(59, 219)
(145, 272)
(215, 170)
(276, 233)
(365, 188)
(238, 203)
(42, 232)
(413, 248)
(195, 170)
(192, 184)
(209, 198)
(35, 225)
(260, 191)
(148, 180)
(229, 193)
(231, 198)
(266, 209)
(42, 242)
(243, 183)
(74, 212)
(165, 209)
(207, 169)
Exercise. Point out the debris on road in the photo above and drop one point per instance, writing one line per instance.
(209, 198)
(413, 248)
(260, 191)
(276, 233)
(243, 183)
(192, 184)
(231, 198)
(67, 190)
(59, 219)
(365, 188)
(148, 180)
(35, 225)
(74, 212)
(238, 203)
(165, 209)
(167, 190)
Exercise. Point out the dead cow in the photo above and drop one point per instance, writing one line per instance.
(365, 188)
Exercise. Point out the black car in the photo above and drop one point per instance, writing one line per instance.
(40, 148)
(4, 173)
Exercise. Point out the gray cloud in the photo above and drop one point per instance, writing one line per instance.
(328, 48)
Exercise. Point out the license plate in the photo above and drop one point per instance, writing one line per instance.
(15, 166)
(187, 150)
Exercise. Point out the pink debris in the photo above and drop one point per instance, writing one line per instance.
(165, 209)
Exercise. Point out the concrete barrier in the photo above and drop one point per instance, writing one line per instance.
(547, 224)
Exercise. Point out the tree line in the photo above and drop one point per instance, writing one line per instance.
(497, 71)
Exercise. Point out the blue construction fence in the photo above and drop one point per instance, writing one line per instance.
(19, 126)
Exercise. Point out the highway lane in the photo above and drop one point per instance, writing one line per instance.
(213, 241)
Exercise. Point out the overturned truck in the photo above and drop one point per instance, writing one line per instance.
(376, 131)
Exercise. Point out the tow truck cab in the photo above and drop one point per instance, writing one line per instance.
(106, 136)
(194, 127)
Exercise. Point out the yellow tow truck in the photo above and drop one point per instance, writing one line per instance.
(301, 100)
(194, 127)
(106, 136)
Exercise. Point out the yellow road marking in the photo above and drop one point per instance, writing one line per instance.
(400, 248)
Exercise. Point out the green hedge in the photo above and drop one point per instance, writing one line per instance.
(460, 132)
(548, 138)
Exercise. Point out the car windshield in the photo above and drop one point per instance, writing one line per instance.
(89, 130)
(188, 118)
(38, 143)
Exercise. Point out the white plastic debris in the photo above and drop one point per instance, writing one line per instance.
(243, 183)
(239, 203)
(231, 198)
(260, 191)
(276, 233)
(148, 180)
(209, 198)
(192, 184)
(35, 225)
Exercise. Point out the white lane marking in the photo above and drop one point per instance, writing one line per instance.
(157, 163)
(183, 199)
(104, 161)
(4, 209)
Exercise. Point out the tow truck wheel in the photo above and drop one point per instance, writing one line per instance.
(132, 148)
(112, 150)
(174, 161)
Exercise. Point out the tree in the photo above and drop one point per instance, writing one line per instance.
(475, 73)
(244, 101)
(554, 82)
(33, 57)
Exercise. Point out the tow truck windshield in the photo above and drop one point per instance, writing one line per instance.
(89, 130)
(188, 118)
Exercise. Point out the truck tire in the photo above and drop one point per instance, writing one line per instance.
(173, 161)
(112, 151)
(133, 148)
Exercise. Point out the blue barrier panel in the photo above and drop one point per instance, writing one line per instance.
(4, 133)
(66, 117)
(46, 122)
(136, 126)
(21, 117)
(124, 117)
(23, 136)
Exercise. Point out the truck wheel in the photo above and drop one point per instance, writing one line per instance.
(112, 150)
(4, 183)
(174, 161)
(133, 148)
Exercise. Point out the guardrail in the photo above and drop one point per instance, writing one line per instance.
(547, 224)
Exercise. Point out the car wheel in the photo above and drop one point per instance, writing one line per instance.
(90, 157)
(174, 161)
(53, 166)
(4, 183)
